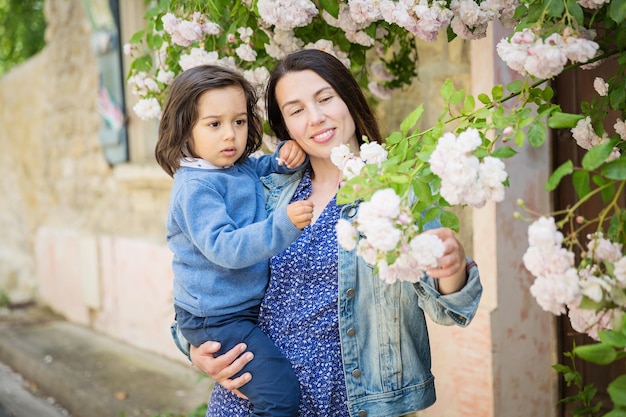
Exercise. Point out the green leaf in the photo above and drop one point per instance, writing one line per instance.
(536, 134)
(331, 6)
(608, 193)
(484, 98)
(580, 179)
(430, 215)
(617, 390)
(558, 174)
(138, 36)
(520, 137)
(617, 11)
(577, 12)
(556, 8)
(597, 155)
(504, 152)
(394, 138)
(548, 93)
(561, 368)
(411, 120)
(598, 353)
(616, 169)
(497, 92)
(515, 86)
(612, 338)
(457, 97)
(470, 104)
(143, 63)
(447, 89)
(450, 220)
(560, 120)
(423, 192)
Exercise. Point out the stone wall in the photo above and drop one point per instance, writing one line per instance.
(83, 237)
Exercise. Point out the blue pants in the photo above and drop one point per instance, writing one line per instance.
(274, 390)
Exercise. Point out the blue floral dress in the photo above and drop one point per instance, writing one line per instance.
(299, 313)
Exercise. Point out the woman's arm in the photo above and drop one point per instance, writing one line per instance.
(224, 367)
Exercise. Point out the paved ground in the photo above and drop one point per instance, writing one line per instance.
(88, 374)
(19, 398)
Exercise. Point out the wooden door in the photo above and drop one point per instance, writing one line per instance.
(571, 89)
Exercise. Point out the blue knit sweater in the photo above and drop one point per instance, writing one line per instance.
(222, 237)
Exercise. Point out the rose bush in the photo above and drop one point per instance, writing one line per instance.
(579, 263)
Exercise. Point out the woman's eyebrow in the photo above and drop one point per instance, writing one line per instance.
(318, 92)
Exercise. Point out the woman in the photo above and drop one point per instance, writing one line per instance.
(359, 346)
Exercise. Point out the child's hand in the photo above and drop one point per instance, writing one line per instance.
(300, 213)
(291, 154)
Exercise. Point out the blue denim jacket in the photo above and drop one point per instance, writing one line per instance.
(384, 338)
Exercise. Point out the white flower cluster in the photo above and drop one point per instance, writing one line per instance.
(560, 286)
(467, 18)
(277, 19)
(350, 164)
(586, 137)
(464, 178)
(385, 226)
(387, 231)
(194, 33)
(528, 53)
(287, 14)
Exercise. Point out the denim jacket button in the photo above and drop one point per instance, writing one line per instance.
(350, 292)
(362, 413)
(351, 331)
(356, 373)
(351, 212)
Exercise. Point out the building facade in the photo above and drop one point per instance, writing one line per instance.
(84, 227)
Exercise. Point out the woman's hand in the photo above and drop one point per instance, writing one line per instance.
(451, 266)
(224, 367)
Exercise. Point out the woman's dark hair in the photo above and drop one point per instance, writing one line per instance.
(180, 113)
(340, 79)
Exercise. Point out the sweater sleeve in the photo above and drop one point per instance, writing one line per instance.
(200, 213)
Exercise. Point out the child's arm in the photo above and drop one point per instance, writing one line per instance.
(287, 159)
(200, 213)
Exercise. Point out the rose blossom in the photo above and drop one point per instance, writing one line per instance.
(601, 87)
(346, 234)
(373, 153)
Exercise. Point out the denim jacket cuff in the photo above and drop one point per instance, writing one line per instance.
(460, 306)
(179, 340)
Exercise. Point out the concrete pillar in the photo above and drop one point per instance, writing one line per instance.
(501, 365)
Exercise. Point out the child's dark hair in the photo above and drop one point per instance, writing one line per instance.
(180, 113)
(340, 79)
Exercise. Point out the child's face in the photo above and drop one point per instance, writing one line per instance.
(221, 132)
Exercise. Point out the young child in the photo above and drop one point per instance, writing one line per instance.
(217, 226)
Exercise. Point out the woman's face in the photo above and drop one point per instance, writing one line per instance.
(315, 115)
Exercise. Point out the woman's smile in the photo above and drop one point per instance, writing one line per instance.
(324, 136)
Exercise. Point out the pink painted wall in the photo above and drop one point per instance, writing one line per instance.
(122, 288)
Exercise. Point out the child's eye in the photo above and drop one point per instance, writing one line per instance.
(241, 122)
(214, 124)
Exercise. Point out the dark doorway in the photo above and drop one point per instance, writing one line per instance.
(572, 88)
